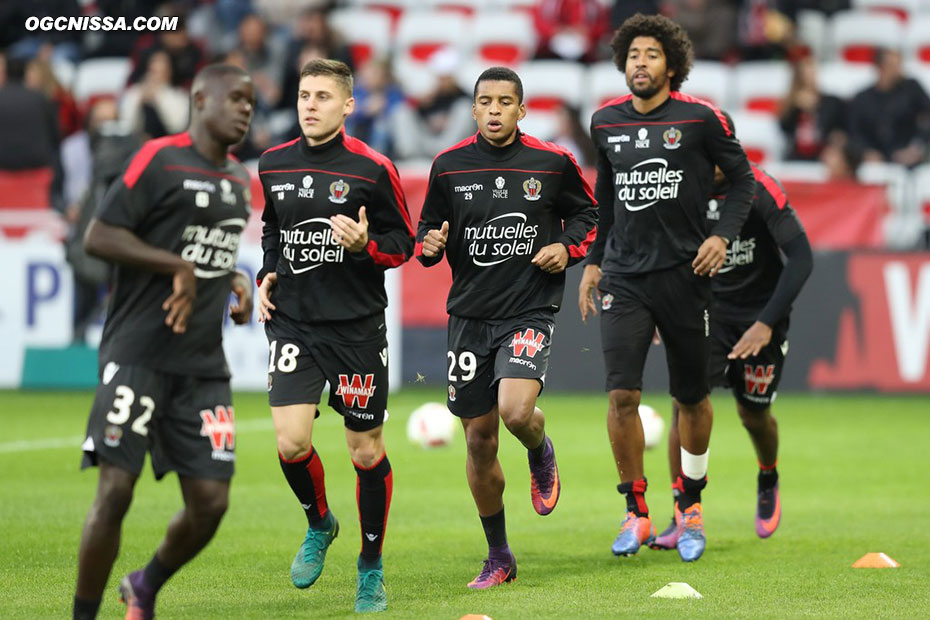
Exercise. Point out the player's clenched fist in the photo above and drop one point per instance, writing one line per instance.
(435, 240)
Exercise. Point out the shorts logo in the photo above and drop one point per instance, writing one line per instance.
(338, 190)
(452, 393)
(528, 341)
(270, 377)
(219, 426)
(671, 138)
(383, 354)
(355, 392)
(607, 301)
(532, 189)
(758, 378)
(112, 435)
(109, 371)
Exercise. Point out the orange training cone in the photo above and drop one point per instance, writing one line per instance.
(875, 560)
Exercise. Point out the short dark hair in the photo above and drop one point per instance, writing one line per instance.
(679, 53)
(216, 71)
(335, 69)
(500, 74)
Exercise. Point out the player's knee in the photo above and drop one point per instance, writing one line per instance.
(208, 511)
(517, 414)
(753, 417)
(481, 445)
(366, 456)
(111, 504)
(293, 448)
(622, 403)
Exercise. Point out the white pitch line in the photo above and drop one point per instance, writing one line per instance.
(51, 443)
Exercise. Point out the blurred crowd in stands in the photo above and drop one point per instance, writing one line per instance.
(63, 94)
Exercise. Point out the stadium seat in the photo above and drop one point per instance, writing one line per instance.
(845, 79)
(917, 39)
(760, 136)
(604, 82)
(100, 76)
(902, 225)
(502, 38)
(366, 32)
(711, 81)
(855, 35)
(760, 86)
(902, 9)
(420, 34)
(803, 171)
(547, 84)
(393, 8)
(812, 32)
(25, 189)
(921, 176)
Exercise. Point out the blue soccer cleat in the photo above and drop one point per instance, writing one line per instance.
(691, 540)
(634, 532)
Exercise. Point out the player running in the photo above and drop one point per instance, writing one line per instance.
(753, 293)
(656, 154)
(335, 220)
(172, 223)
(510, 212)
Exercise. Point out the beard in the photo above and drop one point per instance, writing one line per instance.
(647, 91)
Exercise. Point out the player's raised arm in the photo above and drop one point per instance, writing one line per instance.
(433, 228)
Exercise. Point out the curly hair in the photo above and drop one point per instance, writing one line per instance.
(679, 53)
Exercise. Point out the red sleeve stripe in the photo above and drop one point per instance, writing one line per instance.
(581, 250)
(144, 156)
(689, 99)
(381, 258)
(771, 186)
(536, 143)
(355, 145)
(281, 146)
(615, 101)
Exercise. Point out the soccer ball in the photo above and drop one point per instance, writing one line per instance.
(653, 425)
(431, 425)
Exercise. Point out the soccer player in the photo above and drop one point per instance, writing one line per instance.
(335, 220)
(656, 154)
(172, 224)
(752, 297)
(510, 212)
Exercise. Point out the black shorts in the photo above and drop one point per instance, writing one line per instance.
(351, 355)
(678, 303)
(481, 353)
(755, 379)
(187, 423)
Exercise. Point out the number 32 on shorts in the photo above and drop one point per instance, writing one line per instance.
(466, 363)
(125, 397)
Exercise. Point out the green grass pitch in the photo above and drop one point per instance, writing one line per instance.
(854, 480)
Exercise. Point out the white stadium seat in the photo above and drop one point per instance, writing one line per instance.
(855, 35)
(760, 86)
(845, 79)
(760, 136)
(366, 32)
(711, 81)
(101, 76)
(503, 38)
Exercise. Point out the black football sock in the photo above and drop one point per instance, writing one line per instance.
(155, 574)
(768, 478)
(691, 492)
(635, 492)
(495, 529)
(307, 480)
(373, 491)
(85, 609)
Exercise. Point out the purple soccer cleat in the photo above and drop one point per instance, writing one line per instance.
(140, 602)
(545, 486)
(495, 572)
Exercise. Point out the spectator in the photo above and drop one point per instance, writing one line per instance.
(711, 24)
(570, 29)
(890, 121)
(765, 33)
(621, 10)
(809, 118)
(76, 154)
(377, 97)
(571, 135)
(312, 38)
(153, 106)
(185, 55)
(29, 135)
(437, 120)
(841, 160)
(41, 78)
(264, 59)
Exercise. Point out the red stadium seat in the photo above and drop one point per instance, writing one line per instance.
(25, 189)
(857, 34)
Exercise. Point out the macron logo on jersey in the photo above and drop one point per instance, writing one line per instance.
(355, 392)
(529, 341)
(647, 183)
